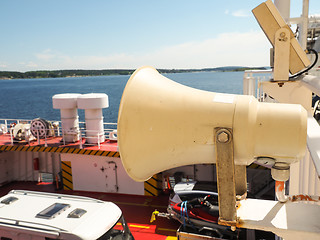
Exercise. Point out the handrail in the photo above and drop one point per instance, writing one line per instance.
(7, 128)
(32, 225)
(251, 81)
(257, 71)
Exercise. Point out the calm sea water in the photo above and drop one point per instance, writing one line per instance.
(32, 98)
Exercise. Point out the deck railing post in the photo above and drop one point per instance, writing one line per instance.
(45, 139)
(80, 139)
(64, 141)
(11, 135)
(99, 134)
(38, 138)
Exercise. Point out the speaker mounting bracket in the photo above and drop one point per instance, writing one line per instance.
(231, 179)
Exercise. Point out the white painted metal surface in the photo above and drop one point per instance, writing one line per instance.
(313, 142)
(290, 220)
(304, 24)
(67, 103)
(284, 8)
(93, 103)
(95, 173)
(21, 218)
(18, 166)
(312, 83)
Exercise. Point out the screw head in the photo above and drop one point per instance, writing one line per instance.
(282, 34)
(223, 137)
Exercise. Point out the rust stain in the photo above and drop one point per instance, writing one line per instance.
(239, 223)
(280, 186)
(303, 197)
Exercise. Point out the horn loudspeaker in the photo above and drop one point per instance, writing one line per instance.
(163, 124)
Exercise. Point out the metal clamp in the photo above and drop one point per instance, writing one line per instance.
(231, 179)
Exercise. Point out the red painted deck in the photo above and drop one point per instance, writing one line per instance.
(108, 145)
(137, 210)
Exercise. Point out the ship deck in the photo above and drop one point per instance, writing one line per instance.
(136, 209)
(55, 143)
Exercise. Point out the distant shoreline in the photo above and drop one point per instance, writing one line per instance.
(7, 75)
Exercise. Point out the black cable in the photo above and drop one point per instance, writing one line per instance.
(308, 68)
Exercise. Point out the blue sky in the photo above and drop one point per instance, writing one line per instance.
(105, 34)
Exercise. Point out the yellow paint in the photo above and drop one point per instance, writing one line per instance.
(77, 150)
(67, 175)
(14, 148)
(82, 151)
(167, 229)
(139, 226)
(59, 150)
(54, 149)
(152, 186)
(64, 150)
(93, 152)
(141, 205)
(171, 238)
(47, 150)
(153, 216)
(110, 154)
(19, 148)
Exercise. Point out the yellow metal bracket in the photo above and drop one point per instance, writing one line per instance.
(231, 179)
(281, 54)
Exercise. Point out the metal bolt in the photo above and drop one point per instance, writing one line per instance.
(223, 137)
(283, 37)
(282, 34)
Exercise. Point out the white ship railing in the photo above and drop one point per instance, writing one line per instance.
(7, 127)
(252, 80)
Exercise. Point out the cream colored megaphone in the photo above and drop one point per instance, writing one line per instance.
(163, 124)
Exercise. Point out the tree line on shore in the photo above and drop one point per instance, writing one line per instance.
(81, 73)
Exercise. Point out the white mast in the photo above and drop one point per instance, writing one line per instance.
(304, 24)
(302, 21)
(284, 8)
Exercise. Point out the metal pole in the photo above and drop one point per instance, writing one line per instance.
(64, 141)
(38, 136)
(80, 139)
(11, 137)
(99, 139)
(284, 8)
(45, 139)
(304, 24)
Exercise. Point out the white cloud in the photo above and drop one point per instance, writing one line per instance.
(3, 66)
(237, 49)
(242, 49)
(238, 13)
(46, 55)
(28, 66)
(31, 65)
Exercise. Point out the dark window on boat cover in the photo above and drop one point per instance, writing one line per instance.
(53, 210)
(77, 213)
(9, 200)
